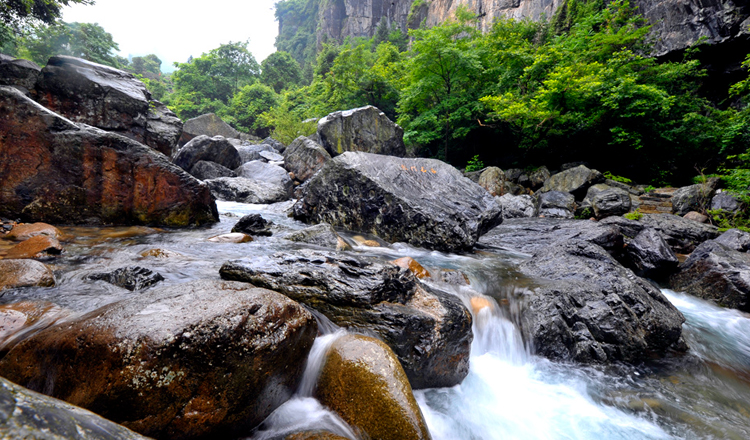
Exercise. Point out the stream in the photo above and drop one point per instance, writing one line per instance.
(509, 393)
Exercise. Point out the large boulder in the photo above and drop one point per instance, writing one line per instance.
(56, 171)
(424, 202)
(240, 189)
(523, 206)
(109, 99)
(429, 330)
(24, 273)
(304, 157)
(20, 73)
(205, 170)
(251, 152)
(213, 149)
(725, 201)
(27, 415)
(609, 202)
(718, 270)
(322, 234)
(530, 235)
(576, 181)
(648, 254)
(204, 359)
(693, 198)
(209, 125)
(591, 309)
(363, 382)
(268, 173)
(556, 204)
(493, 180)
(364, 129)
(681, 234)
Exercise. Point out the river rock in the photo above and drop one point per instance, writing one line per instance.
(681, 234)
(364, 129)
(109, 99)
(537, 178)
(25, 414)
(209, 125)
(19, 73)
(735, 239)
(429, 330)
(39, 246)
(277, 145)
(24, 231)
(25, 273)
(233, 237)
(556, 204)
(696, 217)
(718, 272)
(205, 359)
(250, 152)
(129, 277)
(314, 435)
(424, 202)
(271, 156)
(576, 181)
(363, 382)
(303, 158)
(268, 173)
(493, 180)
(413, 265)
(240, 189)
(609, 202)
(213, 149)
(59, 172)
(693, 198)
(205, 170)
(529, 235)
(591, 309)
(725, 201)
(648, 254)
(522, 206)
(321, 234)
(253, 224)
(22, 319)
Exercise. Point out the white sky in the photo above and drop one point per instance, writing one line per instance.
(176, 29)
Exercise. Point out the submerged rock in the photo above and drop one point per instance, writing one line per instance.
(58, 172)
(204, 359)
(429, 330)
(129, 277)
(322, 234)
(365, 129)
(591, 309)
(253, 224)
(363, 382)
(424, 202)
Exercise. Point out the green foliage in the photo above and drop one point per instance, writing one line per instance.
(610, 176)
(82, 40)
(726, 220)
(649, 189)
(287, 123)
(584, 214)
(280, 71)
(298, 23)
(18, 12)
(634, 215)
(248, 104)
(474, 164)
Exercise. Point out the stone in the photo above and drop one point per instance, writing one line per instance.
(267, 173)
(39, 246)
(25, 414)
(429, 330)
(576, 181)
(530, 235)
(109, 99)
(129, 277)
(725, 201)
(234, 237)
(22, 319)
(538, 177)
(160, 253)
(696, 217)
(362, 381)
(365, 129)
(609, 202)
(205, 170)
(55, 171)
(522, 206)
(253, 224)
(271, 156)
(205, 359)
(692, 198)
(19, 73)
(556, 204)
(277, 145)
(715, 271)
(409, 263)
(25, 273)
(681, 234)
(649, 255)
(209, 125)
(314, 435)
(590, 309)
(424, 202)
(735, 239)
(250, 152)
(303, 157)
(213, 149)
(243, 190)
(321, 234)
(24, 231)
(493, 180)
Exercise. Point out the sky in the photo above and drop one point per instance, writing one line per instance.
(176, 29)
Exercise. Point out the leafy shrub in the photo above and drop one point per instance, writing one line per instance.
(474, 164)
(634, 215)
(621, 179)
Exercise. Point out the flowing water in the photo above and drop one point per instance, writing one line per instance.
(509, 393)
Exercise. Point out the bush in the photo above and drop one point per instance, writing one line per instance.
(474, 164)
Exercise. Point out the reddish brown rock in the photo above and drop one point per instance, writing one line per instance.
(232, 237)
(58, 172)
(314, 435)
(24, 231)
(24, 273)
(409, 263)
(38, 246)
(206, 359)
(20, 320)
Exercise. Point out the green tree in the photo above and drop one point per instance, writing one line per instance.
(145, 65)
(280, 71)
(82, 40)
(17, 12)
(248, 104)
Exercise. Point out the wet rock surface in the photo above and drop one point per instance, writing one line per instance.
(204, 359)
(693, 198)
(253, 224)
(205, 170)
(249, 153)
(25, 414)
(58, 172)
(649, 255)
(24, 273)
(429, 330)
(20, 73)
(209, 125)
(321, 234)
(241, 189)
(304, 157)
(594, 310)
(681, 234)
(212, 149)
(24, 231)
(266, 173)
(19, 320)
(522, 206)
(363, 382)
(38, 246)
(129, 277)
(424, 202)
(364, 129)
(556, 204)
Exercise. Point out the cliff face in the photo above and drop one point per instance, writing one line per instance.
(676, 23)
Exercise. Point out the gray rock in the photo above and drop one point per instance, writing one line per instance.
(25, 414)
(576, 181)
(649, 255)
(537, 178)
(210, 125)
(513, 174)
(556, 204)
(681, 234)
(205, 170)
(107, 98)
(735, 239)
(271, 156)
(725, 201)
(716, 272)
(365, 129)
(253, 224)
(517, 206)
(424, 202)
(250, 152)
(129, 277)
(241, 189)
(530, 235)
(213, 149)
(474, 175)
(493, 180)
(429, 330)
(267, 174)
(692, 198)
(304, 158)
(322, 234)
(277, 145)
(19, 73)
(594, 310)
(612, 201)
